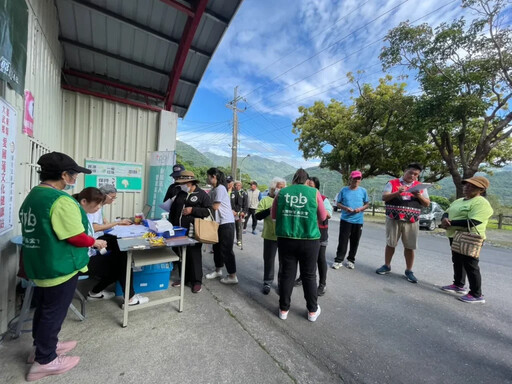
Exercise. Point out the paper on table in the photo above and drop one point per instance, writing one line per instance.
(419, 187)
(133, 230)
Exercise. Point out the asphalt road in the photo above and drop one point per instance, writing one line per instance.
(381, 329)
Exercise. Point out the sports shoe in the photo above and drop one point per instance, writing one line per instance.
(312, 316)
(229, 280)
(266, 289)
(297, 282)
(472, 299)
(62, 348)
(283, 315)
(455, 289)
(321, 289)
(176, 283)
(336, 265)
(136, 300)
(103, 295)
(59, 365)
(410, 276)
(197, 288)
(348, 265)
(213, 275)
(384, 270)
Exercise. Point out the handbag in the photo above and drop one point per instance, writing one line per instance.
(206, 230)
(467, 243)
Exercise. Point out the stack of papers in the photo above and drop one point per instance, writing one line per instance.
(122, 231)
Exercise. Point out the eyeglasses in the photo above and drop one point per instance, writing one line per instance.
(356, 178)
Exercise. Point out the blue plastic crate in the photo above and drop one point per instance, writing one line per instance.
(149, 278)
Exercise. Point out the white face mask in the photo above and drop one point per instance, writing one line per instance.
(276, 191)
(185, 188)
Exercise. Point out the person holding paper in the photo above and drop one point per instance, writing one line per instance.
(403, 209)
(190, 203)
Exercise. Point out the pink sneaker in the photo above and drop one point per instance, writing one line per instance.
(60, 365)
(62, 348)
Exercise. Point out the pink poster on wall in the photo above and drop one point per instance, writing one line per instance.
(28, 119)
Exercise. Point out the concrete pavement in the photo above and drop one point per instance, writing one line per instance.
(373, 329)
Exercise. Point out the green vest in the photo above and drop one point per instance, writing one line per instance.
(296, 216)
(44, 255)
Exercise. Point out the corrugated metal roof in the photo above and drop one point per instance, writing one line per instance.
(136, 43)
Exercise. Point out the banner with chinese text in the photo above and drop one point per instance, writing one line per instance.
(7, 163)
(159, 180)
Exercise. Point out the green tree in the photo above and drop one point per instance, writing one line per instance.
(377, 133)
(442, 201)
(464, 72)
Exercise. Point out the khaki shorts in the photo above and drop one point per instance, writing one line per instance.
(407, 231)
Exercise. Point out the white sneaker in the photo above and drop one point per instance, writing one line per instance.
(283, 315)
(336, 266)
(213, 275)
(312, 316)
(349, 265)
(136, 300)
(103, 295)
(229, 280)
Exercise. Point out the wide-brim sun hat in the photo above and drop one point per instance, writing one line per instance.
(186, 177)
(478, 181)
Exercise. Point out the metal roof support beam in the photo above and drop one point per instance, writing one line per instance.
(179, 61)
(111, 83)
(121, 58)
(190, 12)
(139, 26)
(111, 98)
(180, 7)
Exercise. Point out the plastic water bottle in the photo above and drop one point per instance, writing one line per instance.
(191, 231)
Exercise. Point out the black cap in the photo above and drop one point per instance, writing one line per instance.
(176, 170)
(229, 179)
(60, 162)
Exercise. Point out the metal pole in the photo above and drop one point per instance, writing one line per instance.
(234, 144)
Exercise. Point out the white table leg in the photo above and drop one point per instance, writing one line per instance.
(127, 288)
(183, 266)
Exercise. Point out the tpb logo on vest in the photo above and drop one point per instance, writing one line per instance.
(28, 220)
(296, 201)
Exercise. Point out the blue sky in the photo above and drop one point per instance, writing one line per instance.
(283, 54)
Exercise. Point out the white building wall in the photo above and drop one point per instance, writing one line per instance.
(101, 129)
(42, 78)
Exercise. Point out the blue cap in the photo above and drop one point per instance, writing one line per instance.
(176, 170)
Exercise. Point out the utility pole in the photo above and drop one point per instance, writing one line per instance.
(234, 146)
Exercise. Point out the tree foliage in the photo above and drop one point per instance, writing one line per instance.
(466, 79)
(377, 133)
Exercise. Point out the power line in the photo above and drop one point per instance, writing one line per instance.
(295, 49)
(349, 55)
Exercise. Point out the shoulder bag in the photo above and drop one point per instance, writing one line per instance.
(206, 230)
(467, 243)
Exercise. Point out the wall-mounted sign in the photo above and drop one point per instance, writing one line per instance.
(126, 177)
(159, 180)
(7, 163)
(28, 114)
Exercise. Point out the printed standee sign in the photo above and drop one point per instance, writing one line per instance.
(7, 163)
(125, 176)
(159, 180)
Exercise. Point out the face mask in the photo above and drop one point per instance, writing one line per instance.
(276, 191)
(69, 187)
(185, 188)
